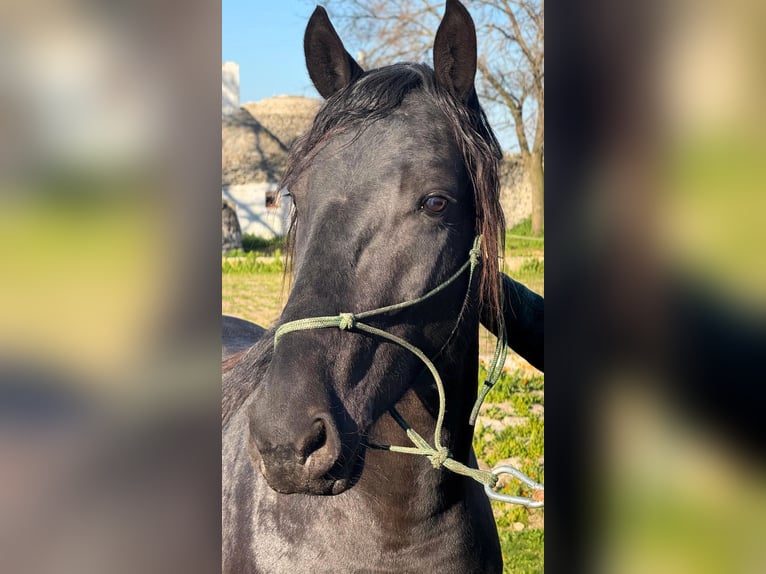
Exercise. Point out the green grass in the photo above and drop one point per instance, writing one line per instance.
(524, 227)
(524, 256)
(511, 383)
(518, 391)
(262, 245)
(255, 296)
(253, 289)
(522, 551)
(519, 240)
(252, 262)
(532, 267)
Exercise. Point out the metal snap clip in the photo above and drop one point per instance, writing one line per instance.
(522, 500)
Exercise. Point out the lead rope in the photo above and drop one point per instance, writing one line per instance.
(438, 454)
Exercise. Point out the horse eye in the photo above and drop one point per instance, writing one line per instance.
(435, 204)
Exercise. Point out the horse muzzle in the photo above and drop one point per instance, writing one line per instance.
(307, 459)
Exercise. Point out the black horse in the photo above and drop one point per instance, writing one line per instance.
(391, 185)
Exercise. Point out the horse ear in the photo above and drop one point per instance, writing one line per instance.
(455, 51)
(330, 67)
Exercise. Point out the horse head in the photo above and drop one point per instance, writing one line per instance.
(390, 187)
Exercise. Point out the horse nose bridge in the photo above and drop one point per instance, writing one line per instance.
(293, 397)
(328, 294)
(327, 281)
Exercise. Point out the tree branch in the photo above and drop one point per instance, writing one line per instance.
(515, 105)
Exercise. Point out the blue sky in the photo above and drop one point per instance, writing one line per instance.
(266, 39)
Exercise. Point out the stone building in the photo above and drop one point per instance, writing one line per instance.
(515, 194)
(255, 139)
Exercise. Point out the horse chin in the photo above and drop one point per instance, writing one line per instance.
(314, 488)
(322, 487)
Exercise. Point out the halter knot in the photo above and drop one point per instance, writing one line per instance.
(438, 457)
(346, 321)
(475, 253)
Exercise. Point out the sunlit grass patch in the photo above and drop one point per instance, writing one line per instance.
(251, 263)
(523, 552)
(514, 434)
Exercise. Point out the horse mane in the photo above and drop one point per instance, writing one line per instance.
(376, 95)
(241, 373)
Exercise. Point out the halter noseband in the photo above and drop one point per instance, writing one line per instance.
(438, 454)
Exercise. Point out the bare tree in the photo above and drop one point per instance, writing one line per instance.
(511, 61)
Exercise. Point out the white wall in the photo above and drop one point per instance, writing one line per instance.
(229, 87)
(254, 217)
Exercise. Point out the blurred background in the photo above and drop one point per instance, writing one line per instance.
(655, 290)
(110, 286)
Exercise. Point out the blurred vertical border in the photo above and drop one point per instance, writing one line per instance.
(109, 286)
(656, 287)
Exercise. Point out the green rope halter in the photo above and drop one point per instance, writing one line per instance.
(438, 454)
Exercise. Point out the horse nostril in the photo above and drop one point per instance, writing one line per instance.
(319, 449)
(314, 441)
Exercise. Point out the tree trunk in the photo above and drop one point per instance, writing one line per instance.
(536, 179)
(231, 233)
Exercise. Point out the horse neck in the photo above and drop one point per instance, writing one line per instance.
(405, 479)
